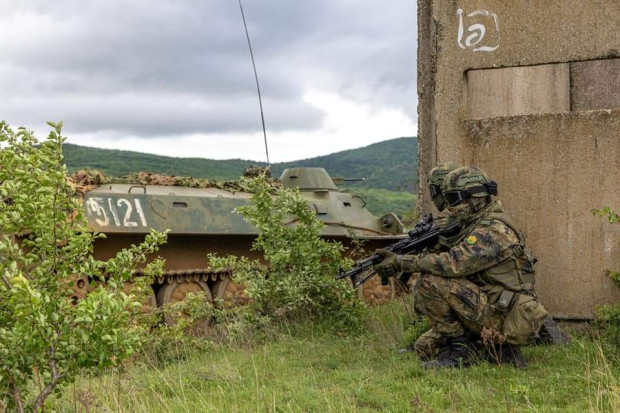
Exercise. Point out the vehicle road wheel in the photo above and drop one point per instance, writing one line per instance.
(80, 286)
(177, 291)
(231, 294)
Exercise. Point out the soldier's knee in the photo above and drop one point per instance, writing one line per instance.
(431, 284)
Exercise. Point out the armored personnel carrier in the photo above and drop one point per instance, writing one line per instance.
(201, 220)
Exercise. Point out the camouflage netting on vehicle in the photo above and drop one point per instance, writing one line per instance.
(87, 179)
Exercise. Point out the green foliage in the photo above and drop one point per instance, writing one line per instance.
(298, 281)
(613, 218)
(45, 338)
(615, 276)
(606, 212)
(608, 316)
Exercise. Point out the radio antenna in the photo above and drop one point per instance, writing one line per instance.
(260, 101)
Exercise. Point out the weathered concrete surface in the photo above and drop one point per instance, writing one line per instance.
(595, 84)
(518, 91)
(552, 168)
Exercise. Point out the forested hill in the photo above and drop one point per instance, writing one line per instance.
(390, 165)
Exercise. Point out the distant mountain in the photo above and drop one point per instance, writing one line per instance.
(390, 165)
(118, 163)
(390, 168)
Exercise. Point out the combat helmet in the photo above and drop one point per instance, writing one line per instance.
(467, 182)
(436, 183)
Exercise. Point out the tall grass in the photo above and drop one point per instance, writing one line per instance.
(308, 368)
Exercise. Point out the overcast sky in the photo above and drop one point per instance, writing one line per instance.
(174, 77)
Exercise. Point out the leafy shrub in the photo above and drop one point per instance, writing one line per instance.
(45, 338)
(613, 218)
(297, 282)
(608, 316)
(606, 212)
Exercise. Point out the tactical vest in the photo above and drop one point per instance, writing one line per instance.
(515, 273)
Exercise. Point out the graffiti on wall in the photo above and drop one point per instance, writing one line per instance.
(478, 31)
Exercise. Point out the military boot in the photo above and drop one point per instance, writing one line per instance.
(462, 351)
(550, 333)
(505, 354)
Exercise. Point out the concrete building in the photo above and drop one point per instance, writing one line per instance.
(529, 90)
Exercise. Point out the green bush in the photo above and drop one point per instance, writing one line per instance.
(606, 212)
(608, 316)
(297, 282)
(45, 338)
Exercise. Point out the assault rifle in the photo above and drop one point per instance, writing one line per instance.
(423, 235)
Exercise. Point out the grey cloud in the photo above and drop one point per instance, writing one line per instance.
(155, 116)
(183, 66)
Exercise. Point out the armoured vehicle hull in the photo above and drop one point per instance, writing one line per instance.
(202, 220)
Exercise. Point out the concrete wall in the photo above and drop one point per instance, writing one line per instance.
(530, 92)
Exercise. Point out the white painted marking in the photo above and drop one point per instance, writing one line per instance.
(477, 31)
(114, 213)
(96, 206)
(140, 211)
(126, 221)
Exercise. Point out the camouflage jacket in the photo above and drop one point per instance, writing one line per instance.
(489, 242)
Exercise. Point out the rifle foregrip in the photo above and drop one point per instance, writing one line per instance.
(404, 277)
(360, 267)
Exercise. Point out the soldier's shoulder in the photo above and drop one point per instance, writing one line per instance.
(493, 225)
(491, 222)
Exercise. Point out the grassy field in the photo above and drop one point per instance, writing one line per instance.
(308, 370)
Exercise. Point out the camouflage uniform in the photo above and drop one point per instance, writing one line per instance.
(484, 279)
(445, 293)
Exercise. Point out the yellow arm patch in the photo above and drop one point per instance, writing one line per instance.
(471, 240)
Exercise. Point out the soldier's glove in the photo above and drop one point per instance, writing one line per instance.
(390, 266)
(409, 263)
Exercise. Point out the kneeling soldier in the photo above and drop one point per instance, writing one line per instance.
(484, 281)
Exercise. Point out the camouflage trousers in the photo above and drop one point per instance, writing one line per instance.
(453, 306)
